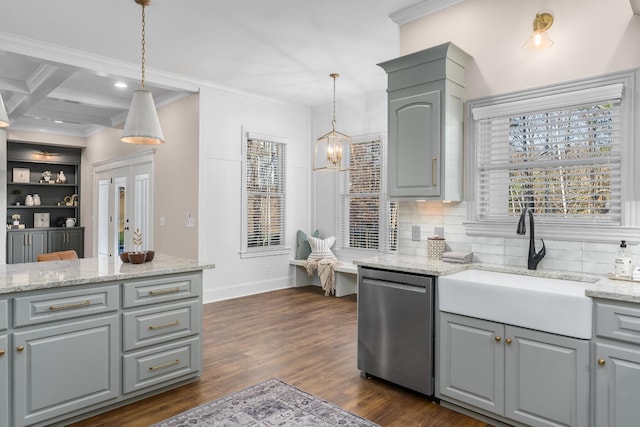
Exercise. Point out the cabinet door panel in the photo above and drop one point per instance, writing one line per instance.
(85, 371)
(37, 244)
(16, 248)
(472, 361)
(414, 145)
(4, 380)
(617, 398)
(75, 241)
(57, 240)
(547, 378)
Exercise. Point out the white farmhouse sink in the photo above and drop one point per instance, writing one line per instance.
(550, 305)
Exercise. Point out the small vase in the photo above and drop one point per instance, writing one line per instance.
(28, 201)
(61, 178)
(36, 200)
(137, 257)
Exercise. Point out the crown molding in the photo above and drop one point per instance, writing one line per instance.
(424, 8)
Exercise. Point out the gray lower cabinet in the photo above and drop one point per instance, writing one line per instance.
(25, 246)
(90, 348)
(617, 367)
(66, 239)
(65, 367)
(514, 374)
(4, 379)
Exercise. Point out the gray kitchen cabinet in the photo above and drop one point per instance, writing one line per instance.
(513, 373)
(617, 367)
(81, 349)
(425, 123)
(4, 364)
(25, 245)
(47, 385)
(65, 239)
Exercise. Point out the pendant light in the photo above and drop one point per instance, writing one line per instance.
(4, 117)
(331, 147)
(142, 125)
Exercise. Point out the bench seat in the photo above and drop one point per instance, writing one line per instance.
(346, 277)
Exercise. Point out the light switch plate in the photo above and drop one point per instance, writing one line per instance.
(415, 233)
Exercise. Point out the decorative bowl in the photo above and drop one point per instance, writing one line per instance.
(150, 255)
(124, 256)
(137, 257)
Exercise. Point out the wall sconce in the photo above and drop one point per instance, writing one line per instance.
(539, 38)
(333, 146)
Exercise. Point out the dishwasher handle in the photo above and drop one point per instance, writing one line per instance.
(392, 285)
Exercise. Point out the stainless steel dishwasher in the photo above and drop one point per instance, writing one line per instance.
(395, 327)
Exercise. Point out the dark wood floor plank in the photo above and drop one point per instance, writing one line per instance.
(299, 336)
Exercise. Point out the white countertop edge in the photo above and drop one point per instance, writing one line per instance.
(600, 287)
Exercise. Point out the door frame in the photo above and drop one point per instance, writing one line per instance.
(100, 169)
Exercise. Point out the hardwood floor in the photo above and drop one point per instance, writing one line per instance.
(299, 336)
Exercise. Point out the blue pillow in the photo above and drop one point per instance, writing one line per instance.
(304, 249)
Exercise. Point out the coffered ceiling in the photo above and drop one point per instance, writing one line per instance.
(59, 59)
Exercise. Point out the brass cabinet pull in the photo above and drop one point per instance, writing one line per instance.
(601, 362)
(433, 171)
(2, 352)
(67, 306)
(20, 348)
(164, 365)
(508, 340)
(498, 338)
(166, 325)
(165, 291)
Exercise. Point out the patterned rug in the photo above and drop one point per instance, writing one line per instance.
(271, 403)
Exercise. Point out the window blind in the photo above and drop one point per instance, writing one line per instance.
(265, 194)
(563, 162)
(367, 219)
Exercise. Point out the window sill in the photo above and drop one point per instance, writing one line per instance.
(265, 252)
(567, 232)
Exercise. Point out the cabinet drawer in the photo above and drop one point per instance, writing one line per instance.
(157, 324)
(4, 314)
(60, 305)
(160, 365)
(168, 288)
(618, 321)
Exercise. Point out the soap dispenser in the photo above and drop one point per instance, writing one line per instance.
(622, 262)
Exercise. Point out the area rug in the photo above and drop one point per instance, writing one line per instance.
(271, 403)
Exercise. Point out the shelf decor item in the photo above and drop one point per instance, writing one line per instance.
(41, 220)
(61, 178)
(46, 176)
(138, 256)
(21, 174)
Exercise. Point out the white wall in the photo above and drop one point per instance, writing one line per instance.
(591, 37)
(223, 114)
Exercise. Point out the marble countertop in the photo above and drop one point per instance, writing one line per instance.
(599, 286)
(53, 274)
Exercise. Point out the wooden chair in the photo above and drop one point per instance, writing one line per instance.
(57, 256)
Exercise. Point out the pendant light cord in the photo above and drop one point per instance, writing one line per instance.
(333, 122)
(143, 25)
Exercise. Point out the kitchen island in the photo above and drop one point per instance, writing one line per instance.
(84, 336)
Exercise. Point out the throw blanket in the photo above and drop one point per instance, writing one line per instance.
(326, 272)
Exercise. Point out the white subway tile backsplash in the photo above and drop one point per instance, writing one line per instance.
(587, 257)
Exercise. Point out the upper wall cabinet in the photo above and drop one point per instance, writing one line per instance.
(426, 108)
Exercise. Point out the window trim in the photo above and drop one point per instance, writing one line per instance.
(630, 194)
(245, 251)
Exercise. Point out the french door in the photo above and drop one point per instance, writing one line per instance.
(123, 204)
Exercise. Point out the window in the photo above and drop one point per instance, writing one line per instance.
(560, 151)
(264, 195)
(368, 221)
